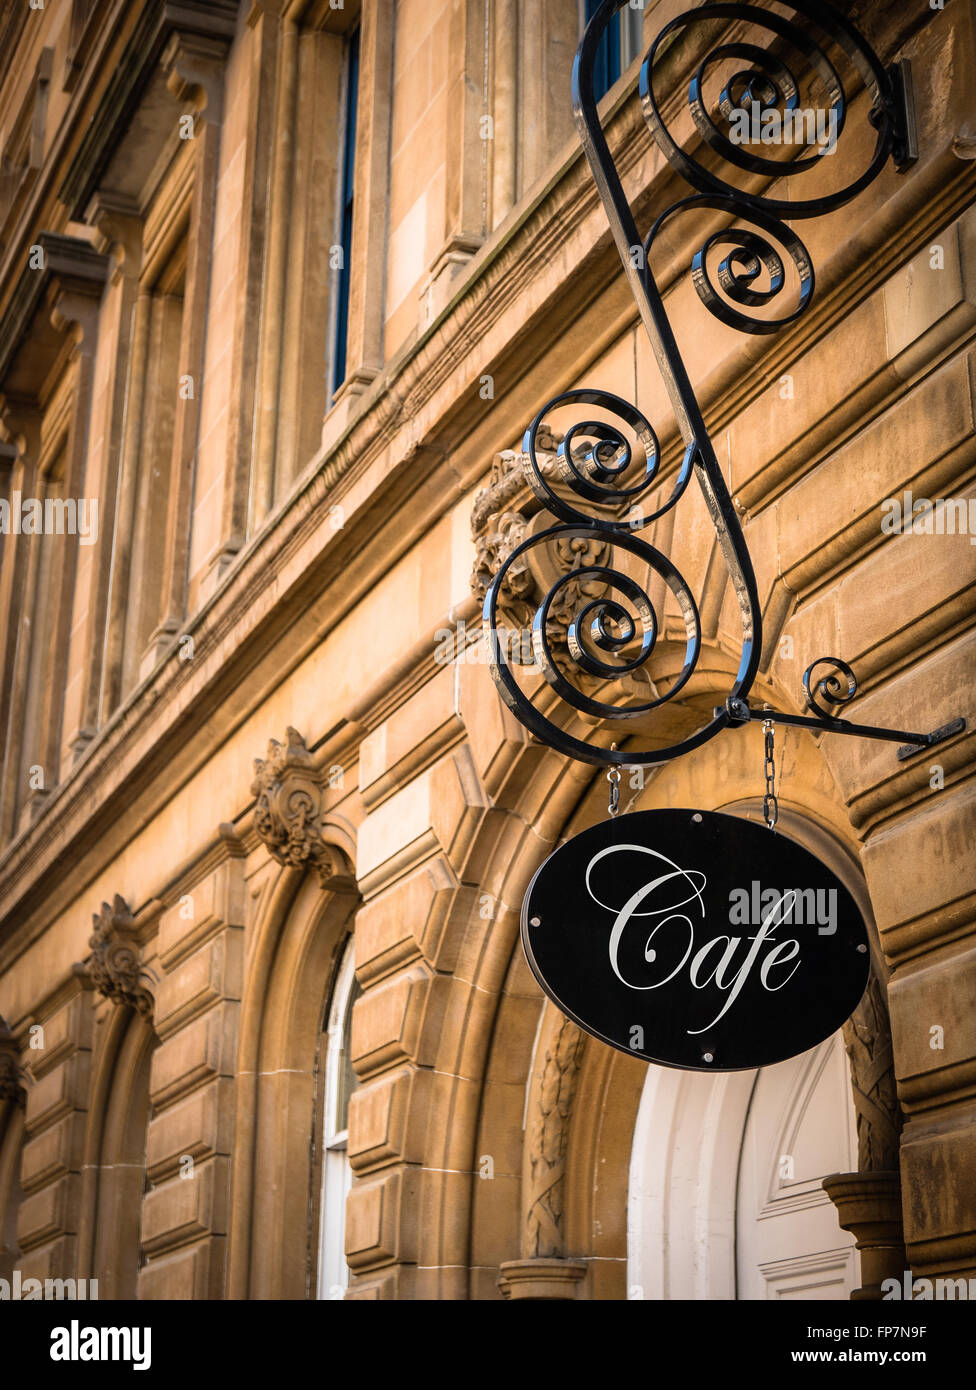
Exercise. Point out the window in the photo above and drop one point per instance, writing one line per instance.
(340, 1082)
(345, 210)
(618, 48)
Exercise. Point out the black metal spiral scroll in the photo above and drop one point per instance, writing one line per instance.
(829, 686)
(604, 472)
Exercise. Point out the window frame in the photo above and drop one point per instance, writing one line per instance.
(336, 1177)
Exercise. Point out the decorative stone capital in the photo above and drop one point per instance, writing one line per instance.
(288, 814)
(540, 1279)
(869, 1206)
(11, 1076)
(115, 967)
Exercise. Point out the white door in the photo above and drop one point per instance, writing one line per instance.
(725, 1199)
(800, 1127)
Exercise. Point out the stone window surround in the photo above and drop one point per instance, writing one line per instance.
(87, 17)
(22, 154)
(56, 377)
(366, 271)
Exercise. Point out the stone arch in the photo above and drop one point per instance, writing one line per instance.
(571, 1169)
(473, 1110)
(297, 944)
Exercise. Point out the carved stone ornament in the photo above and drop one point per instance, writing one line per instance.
(544, 1271)
(543, 1234)
(869, 1202)
(288, 813)
(867, 1037)
(11, 1076)
(115, 968)
(505, 514)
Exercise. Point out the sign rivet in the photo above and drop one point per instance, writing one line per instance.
(708, 1057)
(862, 948)
(697, 817)
(535, 921)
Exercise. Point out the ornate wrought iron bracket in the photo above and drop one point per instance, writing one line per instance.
(596, 628)
(822, 721)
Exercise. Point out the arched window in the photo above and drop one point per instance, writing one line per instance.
(340, 1082)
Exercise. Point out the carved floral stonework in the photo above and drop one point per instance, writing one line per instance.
(115, 967)
(288, 813)
(543, 1233)
(867, 1036)
(505, 514)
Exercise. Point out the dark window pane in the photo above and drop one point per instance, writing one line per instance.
(606, 69)
(345, 230)
(348, 1080)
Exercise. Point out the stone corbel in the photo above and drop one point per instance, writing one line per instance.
(115, 966)
(194, 69)
(119, 229)
(65, 285)
(74, 316)
(288, 813)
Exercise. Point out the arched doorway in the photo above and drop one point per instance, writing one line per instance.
(724, 1198)
(801, 1127)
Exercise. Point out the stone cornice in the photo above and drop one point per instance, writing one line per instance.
(273, 595)
(75, 152)
(72, 263)
(213, 19)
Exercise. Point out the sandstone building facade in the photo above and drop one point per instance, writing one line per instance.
(281, 284)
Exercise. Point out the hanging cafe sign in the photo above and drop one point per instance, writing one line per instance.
(686, 937)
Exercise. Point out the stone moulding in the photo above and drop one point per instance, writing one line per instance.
(288, 813)
(115, 967)
(547, 1280)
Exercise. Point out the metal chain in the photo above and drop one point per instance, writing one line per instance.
(770, 804)
(613, 777)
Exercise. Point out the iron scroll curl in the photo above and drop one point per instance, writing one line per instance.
(603, 472)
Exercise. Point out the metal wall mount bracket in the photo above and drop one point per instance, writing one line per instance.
(597, 626)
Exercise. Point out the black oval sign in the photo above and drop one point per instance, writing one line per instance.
(696, 940)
